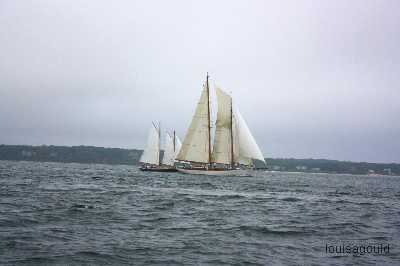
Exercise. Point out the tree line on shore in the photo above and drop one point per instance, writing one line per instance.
(101, 155)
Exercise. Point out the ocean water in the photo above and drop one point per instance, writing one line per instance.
(81, 214)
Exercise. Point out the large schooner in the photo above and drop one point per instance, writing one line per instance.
(150, 158)
(234, 146)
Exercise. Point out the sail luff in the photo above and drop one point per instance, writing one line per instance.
(159, 143)
(209, 122)
(232, 154)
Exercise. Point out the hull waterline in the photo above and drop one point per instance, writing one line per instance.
(158, 169)
(215, 172)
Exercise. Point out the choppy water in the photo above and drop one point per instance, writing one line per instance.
(79, 214)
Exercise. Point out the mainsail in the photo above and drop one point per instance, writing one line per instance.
(195, 147)
(246, 145)
(151, 153)
(222, 149)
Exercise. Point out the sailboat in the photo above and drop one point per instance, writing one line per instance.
(234, 147)
(150, 158)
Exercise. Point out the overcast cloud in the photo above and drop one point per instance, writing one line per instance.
(313, 79)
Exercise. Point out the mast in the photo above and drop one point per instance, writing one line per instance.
(159, 142)
(209, 122)
(174, 141)
(232, 162)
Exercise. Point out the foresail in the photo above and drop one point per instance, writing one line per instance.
(222, 141)
(169, 153)
(151, 153)
(236, 147)
(245, 143)
(195, 145)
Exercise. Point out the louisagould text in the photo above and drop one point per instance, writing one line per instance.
(347, 249)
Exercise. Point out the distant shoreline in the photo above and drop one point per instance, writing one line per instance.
(101, 155)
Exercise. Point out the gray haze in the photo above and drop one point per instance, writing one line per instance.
(316, 79)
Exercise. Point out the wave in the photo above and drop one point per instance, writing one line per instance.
(291, 199)
(160, 218)
(268, 231)
(82, 206)
(18, 221)
(154, 219)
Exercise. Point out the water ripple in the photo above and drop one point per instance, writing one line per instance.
(79, 214)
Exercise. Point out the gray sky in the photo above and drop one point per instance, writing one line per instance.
(313, 79)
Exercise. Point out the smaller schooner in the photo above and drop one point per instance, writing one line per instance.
(150, 158)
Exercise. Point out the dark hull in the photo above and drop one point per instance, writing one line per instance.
(219, 172)
(158, 169)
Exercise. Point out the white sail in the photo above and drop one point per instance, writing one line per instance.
(169, 153)
(222, 151)
(195, 147)
(246, 145)
(178, 145)
(151, 153)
